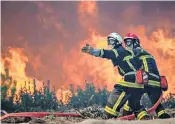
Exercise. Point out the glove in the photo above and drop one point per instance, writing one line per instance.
(86, 49)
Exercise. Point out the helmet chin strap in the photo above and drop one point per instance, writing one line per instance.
(114, 45)
(111, 46)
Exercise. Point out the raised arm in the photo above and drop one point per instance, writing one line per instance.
(108, 54)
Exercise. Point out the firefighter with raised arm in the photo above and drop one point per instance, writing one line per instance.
(156, 83)
(127, 88)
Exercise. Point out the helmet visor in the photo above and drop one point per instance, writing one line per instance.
(111, 41)
(129, 43)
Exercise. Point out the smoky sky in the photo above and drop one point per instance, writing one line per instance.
(49, 30)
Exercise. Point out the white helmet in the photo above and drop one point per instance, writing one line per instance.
(114, 39)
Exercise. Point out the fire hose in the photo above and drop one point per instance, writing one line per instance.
(43, 114)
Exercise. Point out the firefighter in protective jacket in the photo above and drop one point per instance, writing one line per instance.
(156, 83)
(127, 88)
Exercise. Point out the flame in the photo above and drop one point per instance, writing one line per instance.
(90, 68)
(63, 95)
(164, 42)
(88, 8)
(88, 14)
(16, 61)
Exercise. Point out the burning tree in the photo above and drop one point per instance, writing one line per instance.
(25, 100)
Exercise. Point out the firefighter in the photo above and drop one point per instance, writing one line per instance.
(156, 83)
(126, 88)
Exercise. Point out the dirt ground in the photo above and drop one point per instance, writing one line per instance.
(69, 120)
(156, 121)
(95, 121)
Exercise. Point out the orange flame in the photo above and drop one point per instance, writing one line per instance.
(64, 95)
(100, 71)
(16, 61)
(88, 8)
(87, 14)
(96, 70)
